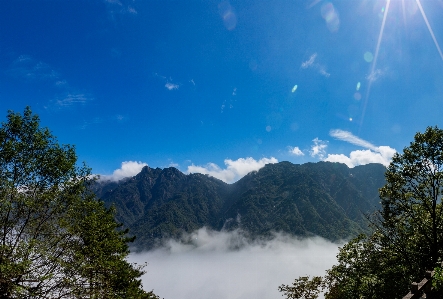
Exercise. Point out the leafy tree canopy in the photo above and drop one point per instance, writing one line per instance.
(407, 236)
(56, 239)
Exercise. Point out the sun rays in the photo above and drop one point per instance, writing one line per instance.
(429, 28)
(380, 37)
(374, 62)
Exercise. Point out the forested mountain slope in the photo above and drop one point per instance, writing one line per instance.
(325, 199)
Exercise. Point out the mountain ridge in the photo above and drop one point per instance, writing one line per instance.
(324, 198)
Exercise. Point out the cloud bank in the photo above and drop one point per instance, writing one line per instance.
(372, 153)
(219, 265)
(127, 169)
(234, 170)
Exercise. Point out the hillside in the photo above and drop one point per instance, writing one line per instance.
(325, 199)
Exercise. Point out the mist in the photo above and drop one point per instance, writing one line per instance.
(221, 265)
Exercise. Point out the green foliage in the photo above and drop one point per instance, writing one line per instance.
(437, 279)
(56, 239)
(407, 236)
(303, 288)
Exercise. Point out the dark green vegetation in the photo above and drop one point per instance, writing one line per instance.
(325, 199)
(407, 233)
(56, 239)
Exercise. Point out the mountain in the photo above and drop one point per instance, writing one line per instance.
(325, 199)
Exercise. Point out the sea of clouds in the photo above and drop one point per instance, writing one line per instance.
(222, 265)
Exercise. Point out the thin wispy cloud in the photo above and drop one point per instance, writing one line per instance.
(72, 99)
(61, 83)
(32, 70)
(131, 10)
(25, 67)
(235, 169)
(127, 169)
(95, 120)
(351, 138)
(116, 6)
(323, 72)
(318, 149)
(309, 62)
(104, 119)
(375, 75)
(296, 151)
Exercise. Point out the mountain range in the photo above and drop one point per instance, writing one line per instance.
(325, 199)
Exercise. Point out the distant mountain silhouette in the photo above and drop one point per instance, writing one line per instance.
(325, 199)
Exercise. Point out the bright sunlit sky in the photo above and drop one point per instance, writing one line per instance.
(236, 84)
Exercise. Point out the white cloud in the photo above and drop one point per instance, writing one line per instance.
(171, 86)
(372, 154)
(128, 169)
(323, 72)
(309, 62)
(218, 265)
(296, 151)
(363, 157)
(234, 170)
(318, 149)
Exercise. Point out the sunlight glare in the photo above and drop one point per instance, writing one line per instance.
(429, 28)
(374, 63)
(403, 8)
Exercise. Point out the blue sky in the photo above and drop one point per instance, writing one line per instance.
(223, 87)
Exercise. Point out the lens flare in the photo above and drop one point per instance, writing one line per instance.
(331, 17)
(368, 57)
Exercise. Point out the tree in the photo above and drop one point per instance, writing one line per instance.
(411, 201)
(303, 287)
(56, 239)
(407, 236)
